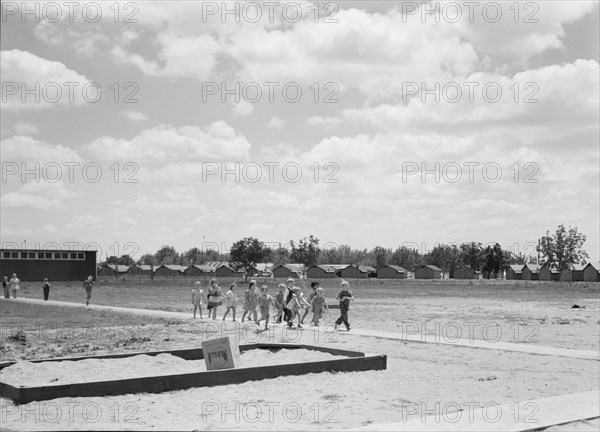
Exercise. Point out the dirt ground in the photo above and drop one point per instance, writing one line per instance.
(420, 379)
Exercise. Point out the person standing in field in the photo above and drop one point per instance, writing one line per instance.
(46, 288)
(198, 298)
(88, 284)
(5, 288)
(230, 301)
(250, 301)
(344, 296)
(319, 304)
(214, 298)
(14, 285)
(264, 301)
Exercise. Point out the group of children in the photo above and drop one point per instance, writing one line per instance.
(289, 303)
(12, 285)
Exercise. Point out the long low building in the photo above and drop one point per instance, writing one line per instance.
(288, 270)
(56, 265)
(324, 271)
(392, 271)
(428, 271)
(114, 270)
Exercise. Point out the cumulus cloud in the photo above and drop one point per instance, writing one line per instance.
(165, 143)
(24, 128)
(135, 116)
(277, 123)
(24, 149)
(22, 70)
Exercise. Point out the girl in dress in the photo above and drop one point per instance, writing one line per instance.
(14, 285)
(264, 301)
(318, 306)
(198, 298)
(250, 301)
(231, 301)
(214, 298)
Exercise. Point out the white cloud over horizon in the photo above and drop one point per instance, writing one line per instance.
(356, 156)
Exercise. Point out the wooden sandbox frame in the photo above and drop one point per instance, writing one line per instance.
(356, 361)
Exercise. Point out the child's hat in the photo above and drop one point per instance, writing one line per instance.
(197, 283)
(290, 280)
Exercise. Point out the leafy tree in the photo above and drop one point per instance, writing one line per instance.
(407, 258)
(147, 259)
(125, 260)
(214, 255)
(112, 260)
(471, 254)
(564, 248)
(278, 256)
(193, 256)
(380, 257)
(166, 255)
(493, 261)
(514, 258)
(247, 253)
(306, 251)
(329, 256)
(444, 256)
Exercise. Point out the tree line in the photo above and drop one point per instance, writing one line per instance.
(562, 249)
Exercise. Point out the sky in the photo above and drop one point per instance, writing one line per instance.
(128, 126)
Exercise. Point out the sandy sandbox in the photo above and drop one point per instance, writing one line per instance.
(25, 373)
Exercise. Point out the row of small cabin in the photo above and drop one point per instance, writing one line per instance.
(224, 270)
(586, 273)
(579, 273)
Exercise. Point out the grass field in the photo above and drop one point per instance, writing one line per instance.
(511, 311)
(429, 374)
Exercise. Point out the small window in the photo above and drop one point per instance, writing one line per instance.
(48, 255)
(23, 255)
(32, 255)
(73, 255)
(5, 254)
(56, 255)
(14, 255)
(65, 255)
(80, 255)
(41, 255)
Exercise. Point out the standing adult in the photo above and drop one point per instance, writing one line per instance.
(5, 287)
(14, 285)
(46, 288)
(88, 284)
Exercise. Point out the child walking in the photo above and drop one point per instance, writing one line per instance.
(198, 298)
(250, 301)
(318, 306)
(344, 296)
(88, 284)
(311, 296)
(264, 301)
(304, 304)
(214, 299)
(279, 303)
(230, 301)
(5, 287)
(294, 305)
(46, 288)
